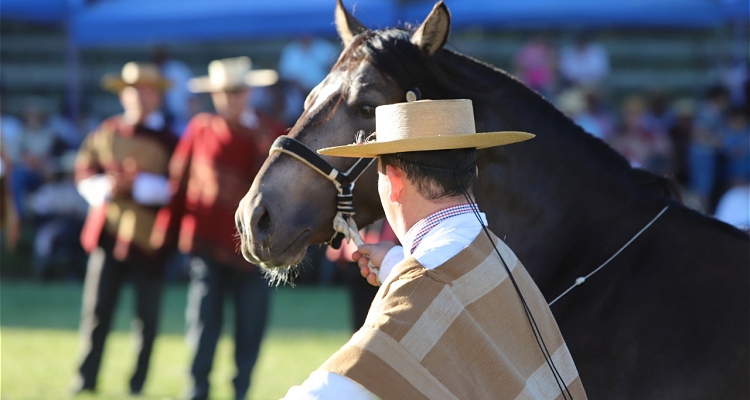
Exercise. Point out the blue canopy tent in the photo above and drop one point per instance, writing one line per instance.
(114, 22)
(45, 11)
(535, 14)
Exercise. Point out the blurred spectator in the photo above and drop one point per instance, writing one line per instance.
(283, 101)
(734, 207)
(307, 61)
(10, 226)
(31, 154)
(642, 146)
(681, 134)
(11, 128)
(734, 76)
(705, 145)
(584, 62)
(176, 107)
(659, 115)
(536, 65)
(573, 103)
(59, 212)
(213, 166)
(72, 129)
(10, 131)
(736, 147)
(121, 171)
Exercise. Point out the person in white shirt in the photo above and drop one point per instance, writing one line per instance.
(434, 291)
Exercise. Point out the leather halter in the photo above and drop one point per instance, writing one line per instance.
(344, 181)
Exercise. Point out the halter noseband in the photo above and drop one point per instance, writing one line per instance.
(344, 182)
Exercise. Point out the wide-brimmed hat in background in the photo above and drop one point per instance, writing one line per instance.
(134, 73)
(425, 125)
(232, 74)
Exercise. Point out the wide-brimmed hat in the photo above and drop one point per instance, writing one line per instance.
(232, 74)
(425, 125)
(134, 73)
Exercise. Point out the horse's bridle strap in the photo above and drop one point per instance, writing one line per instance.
(301, 152)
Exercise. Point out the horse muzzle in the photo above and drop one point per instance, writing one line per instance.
(264, 245)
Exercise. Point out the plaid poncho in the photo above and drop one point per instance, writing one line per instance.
(457, 332)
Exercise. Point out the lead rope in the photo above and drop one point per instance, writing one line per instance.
(582, 279)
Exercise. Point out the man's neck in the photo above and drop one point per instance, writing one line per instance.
(417, 211)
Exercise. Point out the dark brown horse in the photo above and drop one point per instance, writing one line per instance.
(668, 318)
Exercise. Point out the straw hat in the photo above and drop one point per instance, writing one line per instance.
(232, 74)
(425, 125)
(135, 73)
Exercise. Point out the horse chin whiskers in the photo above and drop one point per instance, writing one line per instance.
(276, 275)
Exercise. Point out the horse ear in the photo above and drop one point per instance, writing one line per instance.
(432, 34)
(346, 25)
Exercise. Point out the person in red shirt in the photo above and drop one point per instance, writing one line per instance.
(212, 168)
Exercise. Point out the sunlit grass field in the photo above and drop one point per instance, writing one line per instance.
(39, 343)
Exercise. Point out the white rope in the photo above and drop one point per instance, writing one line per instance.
(349, 229)
(582, 279)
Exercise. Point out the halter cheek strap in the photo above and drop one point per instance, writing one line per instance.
(344, 182)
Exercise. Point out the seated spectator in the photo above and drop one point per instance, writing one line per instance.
(643, 147)
(573, 103)
(307, 61)
(59, 212)
(734, 207)
(736, 147)
(536, 65)
(584, 63)
(31, 155)
(705, 144)
(176, 107)
(659, 115)
(680, 135)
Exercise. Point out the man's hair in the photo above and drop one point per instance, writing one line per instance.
(437, 174)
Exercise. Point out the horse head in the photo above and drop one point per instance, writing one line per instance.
(290, 206)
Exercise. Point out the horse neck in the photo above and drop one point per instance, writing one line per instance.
(554, 188)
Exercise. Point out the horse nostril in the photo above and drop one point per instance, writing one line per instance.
(264, 223)
(260, 223)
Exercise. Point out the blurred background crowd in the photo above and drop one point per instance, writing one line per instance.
(669, 91)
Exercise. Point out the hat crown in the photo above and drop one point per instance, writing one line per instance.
(134, 72)
(229, 72)
(424, 118)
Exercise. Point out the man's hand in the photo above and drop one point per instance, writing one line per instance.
(373, 253)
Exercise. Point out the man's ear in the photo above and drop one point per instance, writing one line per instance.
(396, 181)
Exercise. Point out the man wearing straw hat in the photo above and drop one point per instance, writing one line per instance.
(211, 170)
(121, 170)
(456, 316)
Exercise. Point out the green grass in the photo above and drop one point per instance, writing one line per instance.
(39, 343)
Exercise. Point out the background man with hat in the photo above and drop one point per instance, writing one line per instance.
(121, 170)
(212, 168)
(457, 315)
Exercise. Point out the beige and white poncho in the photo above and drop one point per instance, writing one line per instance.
(458, 331)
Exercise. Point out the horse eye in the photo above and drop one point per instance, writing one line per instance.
(367, 111)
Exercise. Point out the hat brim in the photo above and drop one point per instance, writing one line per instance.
(445, 142)
(114, 83)
(255, 78)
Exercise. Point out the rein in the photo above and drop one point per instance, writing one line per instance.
(582, 279)
(343, 222)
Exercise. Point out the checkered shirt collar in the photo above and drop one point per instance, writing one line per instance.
(417, 232)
